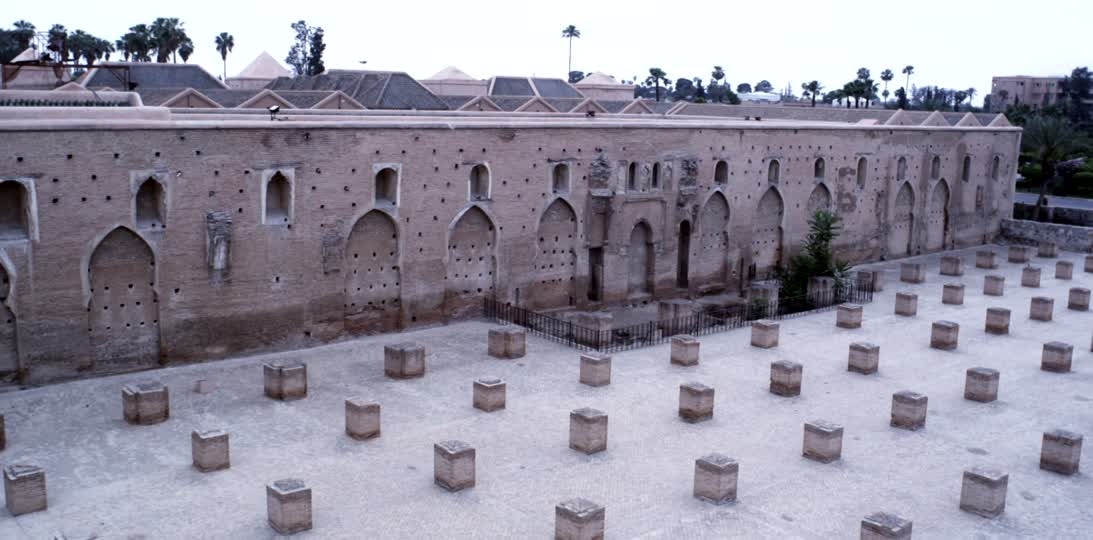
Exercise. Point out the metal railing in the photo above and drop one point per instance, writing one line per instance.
(711, 321)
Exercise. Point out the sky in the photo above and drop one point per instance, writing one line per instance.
(957, 45)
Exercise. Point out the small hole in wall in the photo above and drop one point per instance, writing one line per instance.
(216, 173)
(240, 210)
(353, 171)
(246, 171)
(404, 152)
(116, 155)
(313, 188)
(240, 190)
(157, 154)
(18, 159)
(277, 279)
(307, 333)
(56, 200)
(322, 206)
(197, 152)
(69, 156)
(94, 177)
(318, 170)
(108, 197)
(177, 291)
(377, 152)
(212, 193)
(83, 199)
(55, 180)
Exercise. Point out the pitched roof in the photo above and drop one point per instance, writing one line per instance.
(333, 100)
(511, 86)
(450, 73)
(455, 102)
(589, 104)
(232, 98)
(597, 78)
(969, 121)
(614, 106)
(372, 89)
(536, 104)
(151, 75)
(555, 88)
(263, 66)
(188, 97)
(480, 103)
(1000, 121)
(509, 103)
(900, 118)
(564, 104)
(935, 119)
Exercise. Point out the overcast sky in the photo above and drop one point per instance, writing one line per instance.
(953, 44)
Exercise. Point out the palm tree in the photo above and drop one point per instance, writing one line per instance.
(1004, 94)
(656, 76)
(224, 44)
(908, 70)
(185, 50)
(571, 32)
(958, 97)
(24, 32)
(971, 95)
(167, 37)
(1049, 140)
(715, 88)
(886, 76)
(812, 89)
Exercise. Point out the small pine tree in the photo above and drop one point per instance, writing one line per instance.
(315, 57)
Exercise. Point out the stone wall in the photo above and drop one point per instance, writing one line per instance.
(1069, 237)
(1082, 217)
(272, 235)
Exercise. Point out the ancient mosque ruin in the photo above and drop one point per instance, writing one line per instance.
(296, 284)
(138, 236)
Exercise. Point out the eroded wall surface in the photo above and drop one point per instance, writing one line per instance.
(273, 238)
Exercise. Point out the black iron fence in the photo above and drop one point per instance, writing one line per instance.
(710, 321)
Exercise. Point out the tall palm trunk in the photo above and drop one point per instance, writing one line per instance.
(570, 70)
(1047, 172)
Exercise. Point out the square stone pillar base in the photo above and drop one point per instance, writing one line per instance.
(881, 526)
(210, 450)
(145, 403)
(285, 381)
(983, 492)
(998, 321)
(595, 369)
(362, 418)
(1061, 452)
(508, 342)
(848, 316)
(951, 265)
(1030, 276)
(715, 478)
(489, 394)
(1078, 299)
(864, 358)
(908, 410)
(684, 350)
(952, 294)
(1056, 357)
(764, 334)
(24, 489)
(588, 430)
(695, 402)
(578, 519)
(1041, 308)
(1018, 254)
(906, 304)
(1048, 250)
(994, 285)
(404, 360)
(986, 258)
(981, 384)
(823, 441)
(912, 272)
(1064, 270)
(453, 465)
(785, 378)
(288, 506)
(944, 335)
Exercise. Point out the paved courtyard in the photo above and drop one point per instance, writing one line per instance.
(108, 479)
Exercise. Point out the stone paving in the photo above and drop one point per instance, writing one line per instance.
(109, 479)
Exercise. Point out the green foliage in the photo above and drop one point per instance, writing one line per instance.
(306, 54)
(817, 258)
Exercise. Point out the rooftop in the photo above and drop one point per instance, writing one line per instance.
(108, 479)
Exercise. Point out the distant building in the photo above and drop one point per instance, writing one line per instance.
(260, 72)
(1036, 92)
(452, 81)
(760, 97)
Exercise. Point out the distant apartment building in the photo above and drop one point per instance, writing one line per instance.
(1035, 92)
